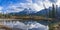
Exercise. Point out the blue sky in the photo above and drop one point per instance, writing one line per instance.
(8, 6)
(7, 2)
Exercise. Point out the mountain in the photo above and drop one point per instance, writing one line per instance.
(48, 11)
(43, 12)
(26, 11)
(29, 11)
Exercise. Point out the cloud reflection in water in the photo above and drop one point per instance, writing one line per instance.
(29, 26)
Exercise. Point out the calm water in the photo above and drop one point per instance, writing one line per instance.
(27, 25)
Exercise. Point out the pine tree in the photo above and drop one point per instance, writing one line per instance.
(52, 12)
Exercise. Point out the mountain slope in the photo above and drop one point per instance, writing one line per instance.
(25, 12)
(43, 12)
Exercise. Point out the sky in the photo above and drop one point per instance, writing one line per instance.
(8, 6)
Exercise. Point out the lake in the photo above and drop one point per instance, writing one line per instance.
(27, 25)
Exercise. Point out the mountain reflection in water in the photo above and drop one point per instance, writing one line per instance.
(27, 25)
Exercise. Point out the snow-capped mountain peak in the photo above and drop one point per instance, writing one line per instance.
(28, 11)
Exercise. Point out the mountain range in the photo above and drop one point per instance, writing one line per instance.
(26, 11)
(44, 12)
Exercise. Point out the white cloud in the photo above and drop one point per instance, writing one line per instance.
(30, 1)
(21, 6)
(1, 7)
(58, 3)
(14, 8)
(47, 4)
(37, 5)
